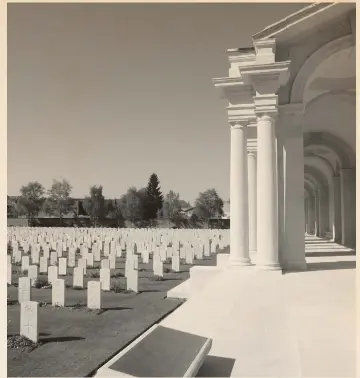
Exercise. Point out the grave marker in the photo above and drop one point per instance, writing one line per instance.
(24, 289)
(29, 320)
(62, 266)
(58, 293)
(105, 279)
(94, 295)
(78, 277)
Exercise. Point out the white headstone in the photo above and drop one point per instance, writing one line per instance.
(105, 263)
(118, 251)
(132, 281)
(53, 258)
(90, 259)
(52, 274)
(58, 293)
(29, 320)
(94, 295)
(24, 289)
(78, 277)
(82, 264)
(62, 266)
(9, 274)
(43, 264)
(112, 260)
(33, 273)
(175, 263)
(96, 252)
(35, 256)
(105, 279)
(25, 262)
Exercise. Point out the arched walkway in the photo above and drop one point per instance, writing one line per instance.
(324, 254)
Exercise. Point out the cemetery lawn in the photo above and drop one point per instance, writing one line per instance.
(76, 342)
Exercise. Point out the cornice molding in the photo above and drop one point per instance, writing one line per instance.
(265, 50)
(266, 78)
(227, 81)
(241, 55)
(276, 28)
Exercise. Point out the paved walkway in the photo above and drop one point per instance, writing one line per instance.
(270, 324)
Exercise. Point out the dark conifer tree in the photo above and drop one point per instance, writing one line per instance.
(155, 198)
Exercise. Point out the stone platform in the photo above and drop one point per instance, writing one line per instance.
(271, 324)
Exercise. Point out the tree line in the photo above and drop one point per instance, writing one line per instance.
(144, 207)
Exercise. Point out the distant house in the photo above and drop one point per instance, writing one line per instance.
(187, 212)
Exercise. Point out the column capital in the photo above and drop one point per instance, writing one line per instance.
(266, 78)
(266, 106)
(252, 146)
(239, 124)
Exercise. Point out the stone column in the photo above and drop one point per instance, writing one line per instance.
(266, 76)
(306, 215)
(293, 254)
(239, 206)
(324, 211)
(267, 222)
(336, 197)
(252, 189)
(311, 215)
(317, 213)
(348, 206)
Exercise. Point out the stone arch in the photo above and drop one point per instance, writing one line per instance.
(324, 161)
(341, 92)
(313, 62)
(321, 182)
(344, 153)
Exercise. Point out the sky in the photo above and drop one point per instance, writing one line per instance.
(107, 94)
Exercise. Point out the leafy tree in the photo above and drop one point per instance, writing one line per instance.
(131, 205)
(30, 200)
(184, 204)
(208, 205)
(154, 200)
(110, 210)
(171, 206)
(11, 208)
(94, 205)
(59, 201)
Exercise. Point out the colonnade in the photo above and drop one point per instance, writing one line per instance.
(331, 213)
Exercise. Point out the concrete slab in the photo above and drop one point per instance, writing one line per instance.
(278, 325)
(159, 352)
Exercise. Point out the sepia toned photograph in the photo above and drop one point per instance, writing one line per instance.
(181, 189)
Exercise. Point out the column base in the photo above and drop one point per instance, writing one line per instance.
(240, 262)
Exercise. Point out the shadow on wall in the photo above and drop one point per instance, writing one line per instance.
(214, 366)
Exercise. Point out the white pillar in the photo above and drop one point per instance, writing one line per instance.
(311, 215)
(317, 213)
(252, 200)
(306, 213)
(336, 197)
(239, 207)
(293, 250)
(267, 222)
(348, 207)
